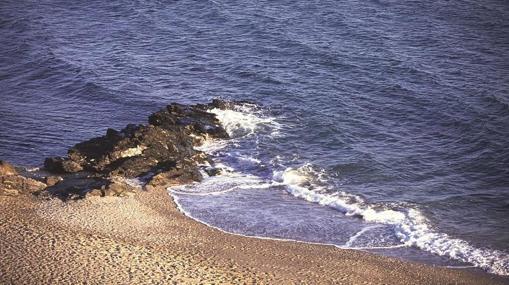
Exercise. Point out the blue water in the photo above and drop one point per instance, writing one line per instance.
(403, 104)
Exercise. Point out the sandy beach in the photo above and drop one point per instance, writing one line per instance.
(144, 239)
(254, 142)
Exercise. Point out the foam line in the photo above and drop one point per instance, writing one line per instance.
(204, 193)
(353, 238)
(188, 214)
(410, 225)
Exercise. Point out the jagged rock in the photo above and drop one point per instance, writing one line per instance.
(224, 105)
(161, 152)
(183, 173)
(75, 186)
(213, 171)
(194, 119)
(134, 151)
(60, 165)
(97, 153)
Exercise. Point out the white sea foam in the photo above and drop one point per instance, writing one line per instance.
(244, 120)
(210, 145)
(410, 225)
(228, 181)
(353, 238)
(249, 159)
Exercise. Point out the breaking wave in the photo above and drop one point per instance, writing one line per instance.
(244, 120)
(409, 225)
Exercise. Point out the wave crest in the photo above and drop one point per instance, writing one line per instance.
(243, 120)
(410, 225)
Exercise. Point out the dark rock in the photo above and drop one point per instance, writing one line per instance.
(138, 150)
(223, 105)
(112, 134)
(54, 164)
(194, 119)
(161, 152)
(75, 186)
(212, 171)
(96, 153)
(61, 165)
(229, 105)
(183, 173)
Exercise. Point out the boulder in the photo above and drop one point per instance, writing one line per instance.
(213, 171)
(193, 119)
(183, 173)
(162, 152)
(225, 105)
(61, 165)
(75, 186)
(133, 151)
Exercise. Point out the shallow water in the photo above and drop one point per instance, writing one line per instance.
(385, 105)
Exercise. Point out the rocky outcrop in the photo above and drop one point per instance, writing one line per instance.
(225, 105)
(161, 153)
(59, 165)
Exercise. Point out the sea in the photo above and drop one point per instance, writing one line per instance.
(376, 125)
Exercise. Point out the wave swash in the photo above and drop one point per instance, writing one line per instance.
(410, 226)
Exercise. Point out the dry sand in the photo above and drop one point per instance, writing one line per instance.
(145, 240)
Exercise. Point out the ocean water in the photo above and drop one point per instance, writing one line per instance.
(376, 125)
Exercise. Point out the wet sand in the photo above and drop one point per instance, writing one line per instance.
(145, 240)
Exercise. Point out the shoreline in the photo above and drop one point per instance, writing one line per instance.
(471, 268)
(146, 239)
(110, 219)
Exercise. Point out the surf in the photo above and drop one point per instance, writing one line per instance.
(247, 122)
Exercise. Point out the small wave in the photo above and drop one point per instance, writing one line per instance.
(211, 146)
(249, 159)
(244, 119)
(228, 181)
(353, 238)
(410, 225)
(203, 194)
